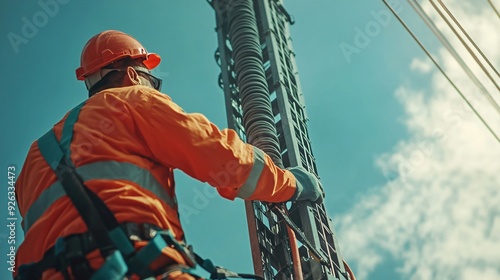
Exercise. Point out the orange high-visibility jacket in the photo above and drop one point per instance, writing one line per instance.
(126, 143)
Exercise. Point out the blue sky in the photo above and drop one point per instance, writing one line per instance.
(374, 106)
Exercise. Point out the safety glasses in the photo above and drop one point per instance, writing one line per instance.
(155, 82)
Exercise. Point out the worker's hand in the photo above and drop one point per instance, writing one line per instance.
(308, 186)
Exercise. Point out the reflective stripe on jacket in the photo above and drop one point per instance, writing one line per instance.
(126, 143)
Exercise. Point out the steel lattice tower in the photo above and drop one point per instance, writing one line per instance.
(264, 104)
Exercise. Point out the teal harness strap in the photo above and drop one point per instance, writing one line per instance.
(50, 149)
(67, 133)
(114, 268)
(121, 241)
(139, 264)
(57, 156)
(117, 235)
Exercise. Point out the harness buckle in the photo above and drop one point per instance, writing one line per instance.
(185, 250)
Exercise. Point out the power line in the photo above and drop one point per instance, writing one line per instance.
(440, 69)
(494, 8)
(423, 15)
(462, 40)
(468, 37)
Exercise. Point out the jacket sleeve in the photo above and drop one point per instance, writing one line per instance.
(191, 143)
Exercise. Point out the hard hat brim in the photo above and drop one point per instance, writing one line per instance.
(152, 60)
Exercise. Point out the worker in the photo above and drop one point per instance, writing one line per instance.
(124, 143)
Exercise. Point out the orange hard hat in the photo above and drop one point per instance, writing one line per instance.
(110, 46)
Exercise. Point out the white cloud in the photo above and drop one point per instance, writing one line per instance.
(421, 66)
(440, 216)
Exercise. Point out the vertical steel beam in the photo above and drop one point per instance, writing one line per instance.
(283, 95)
(270, 248)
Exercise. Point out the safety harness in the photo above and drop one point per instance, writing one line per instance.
(105, 233)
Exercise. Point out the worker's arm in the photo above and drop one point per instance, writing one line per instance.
(196, 146)
(193, 144)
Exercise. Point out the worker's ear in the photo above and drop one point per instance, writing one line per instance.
(132, 77)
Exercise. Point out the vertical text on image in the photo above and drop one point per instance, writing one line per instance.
(11, 217)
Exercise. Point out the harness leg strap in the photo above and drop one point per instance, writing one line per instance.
(114, 268)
